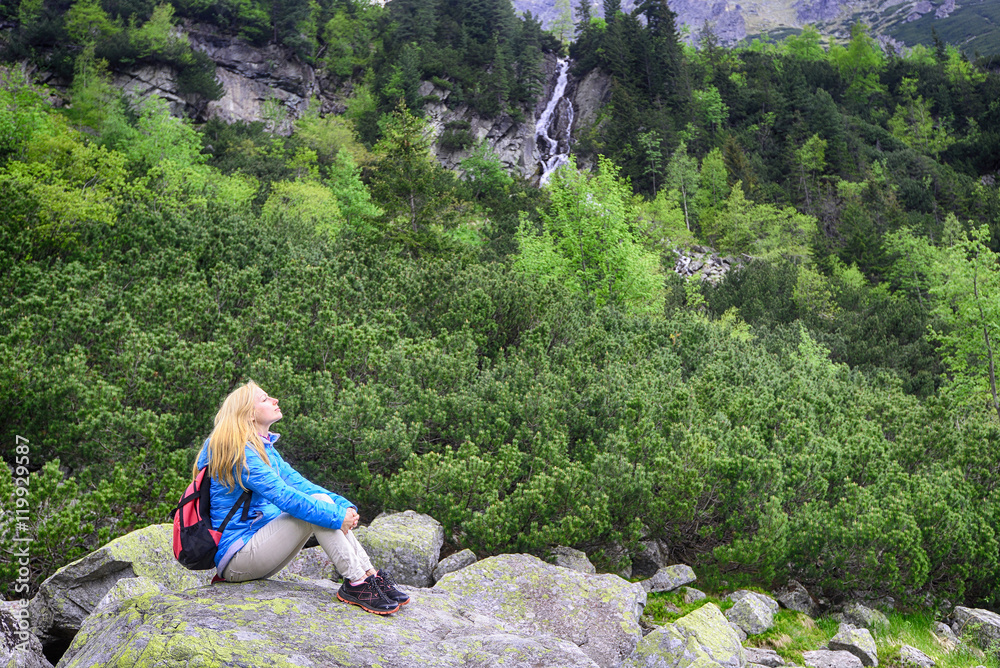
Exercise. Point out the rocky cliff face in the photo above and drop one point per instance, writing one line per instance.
(514, 139)
(270, 84)
(732, 21)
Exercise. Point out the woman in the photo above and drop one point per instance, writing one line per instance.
(285, 509)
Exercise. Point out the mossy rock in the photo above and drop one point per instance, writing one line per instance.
(700, 639)
(599, 613)
(408, 544)
(66, 598)
(284, 624)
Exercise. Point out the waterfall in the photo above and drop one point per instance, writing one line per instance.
(554, 151)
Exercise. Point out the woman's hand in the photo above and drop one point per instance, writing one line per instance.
(351, 518)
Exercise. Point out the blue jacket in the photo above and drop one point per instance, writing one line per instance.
(274, 489)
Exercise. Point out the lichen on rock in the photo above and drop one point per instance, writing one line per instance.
(700, 639)
(511, 610)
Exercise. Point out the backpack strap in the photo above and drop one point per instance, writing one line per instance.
(244, 501)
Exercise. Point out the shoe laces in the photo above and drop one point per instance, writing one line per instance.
(388, 582)
(380, 586)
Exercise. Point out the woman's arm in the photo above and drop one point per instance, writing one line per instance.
(295, 479)
(265, 481)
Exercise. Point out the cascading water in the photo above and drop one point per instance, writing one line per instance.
(554, 151)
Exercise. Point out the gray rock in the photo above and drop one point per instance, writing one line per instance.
(763, 657)
(979, 627)
(691, 595)
(313, 564)
(618, 557)
(600, 613)
(567, 557)
(865, 617)
(512, 610)
(751, 614)
(407, 543)
(592, 94)
(911, 656)
(700, 639)
(795, 597)
(824, 658)
(944, 631)
(669, 578)
(66, 598)
(454, 562)
(740, 633)
(19, 648)
(739, 594)
(127, 588)
(651, 556)
(858, 642)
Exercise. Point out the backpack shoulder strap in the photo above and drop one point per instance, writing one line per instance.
(244, 501)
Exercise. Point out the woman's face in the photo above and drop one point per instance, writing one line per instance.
(265, 410)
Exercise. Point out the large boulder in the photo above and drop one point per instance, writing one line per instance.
(824, 658)
(454, 562)
(408, 544)
(66, 598)
(511, 610)
(700, 639)
(575, 560)
(863, 616)
(142, 558)
(763, 656)
(739, 594)
(669, 578)
(19, 648)
(692, 595)
(795, 597)
(858, 642)
(650, 557)
(599, 613)
(979, 627)
(914, 658)
(751, 614)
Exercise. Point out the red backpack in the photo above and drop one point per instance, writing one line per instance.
(195, 541)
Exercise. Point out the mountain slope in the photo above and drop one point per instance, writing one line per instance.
(973, 26)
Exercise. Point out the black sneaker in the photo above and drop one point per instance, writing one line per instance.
(368, 595)
(390, 588)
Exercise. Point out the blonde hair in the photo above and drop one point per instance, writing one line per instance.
(235, 428)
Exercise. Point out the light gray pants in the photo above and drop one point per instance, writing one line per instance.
(280, 540)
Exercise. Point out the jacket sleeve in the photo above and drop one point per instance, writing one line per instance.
(265, 481)
(295, 479)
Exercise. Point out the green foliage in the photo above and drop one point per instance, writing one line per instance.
(969, 312)
(587, 243)
(760, 229)
(67, 516)
(410, 186)
(859, 65)
(456, 136)
(913, 124)
(485, 173)
(329, 135)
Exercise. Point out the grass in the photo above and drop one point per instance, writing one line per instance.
(794, 633)
(916, 629)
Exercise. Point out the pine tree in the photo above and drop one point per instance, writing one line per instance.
(562, 25)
